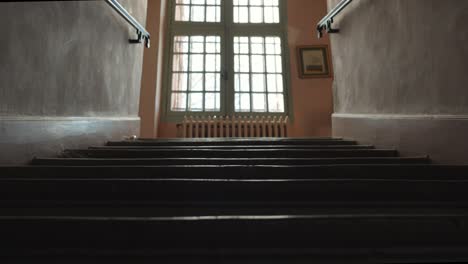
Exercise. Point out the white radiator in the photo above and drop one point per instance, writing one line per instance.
(233, 127)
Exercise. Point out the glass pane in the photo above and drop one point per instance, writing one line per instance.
(179, 82)
(242, 82)
(258, 63)
(212, 82)
(241, 63)
(178, 101)
(256, 11)
(180, 63)
(242, 102)
(276, 103)
(213, 14)
(197, 73)
(265, 75)
(182, 13)
(181, 44)
(213, 45)
(275, 83)
(196, 82)
(196, 62)
(258, 45)
(274, 64)
(258, 83)
(212, 102)
(256, 14)
(259, 102)
(198, 11)
(197, 14)
(197, 44)
(195, 102)
(213, 63)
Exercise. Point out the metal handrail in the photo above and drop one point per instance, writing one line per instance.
(142, 33)
(327, 21)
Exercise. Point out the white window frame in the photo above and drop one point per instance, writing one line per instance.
(225, 30)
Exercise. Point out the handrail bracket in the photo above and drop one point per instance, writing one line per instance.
(140, 38)
(327, 21)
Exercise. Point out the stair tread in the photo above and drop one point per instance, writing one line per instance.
(227, 161)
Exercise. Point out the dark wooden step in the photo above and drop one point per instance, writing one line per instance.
(247, 172)
(235, 232)
(232, 142)
(341, 184)
(238, 147)
(226, 161)
(210, 153)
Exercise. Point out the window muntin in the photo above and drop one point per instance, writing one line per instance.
(258, 74)
(248, 79)
(198, 10)
(196, 74)
(256, 11)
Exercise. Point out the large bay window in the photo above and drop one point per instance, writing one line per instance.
(227, 57)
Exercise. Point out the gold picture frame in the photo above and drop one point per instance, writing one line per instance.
(314, 61)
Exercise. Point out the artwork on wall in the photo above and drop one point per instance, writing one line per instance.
(314, 61)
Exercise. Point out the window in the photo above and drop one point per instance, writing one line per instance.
(227, 57)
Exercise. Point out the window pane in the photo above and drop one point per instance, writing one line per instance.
(181, 44)
(275, 83)
(197, 72)
(178, 102)
(196, 62)
(212, 82)
(182, 13)
(256, 11)
(274, 64)
(180, 63)
(258, 74)
(196, 82)
(198, 11)
(213, 63)
(242, 102)
(258, 83)
(179, 82)
(197, 44)
(276, 103)
(242, 82)
(259, 102)
(195, 102)
(212, 102)
(258, 63)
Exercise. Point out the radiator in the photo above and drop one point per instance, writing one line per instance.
(232, 127)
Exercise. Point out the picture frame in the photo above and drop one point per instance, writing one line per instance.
(314, 61)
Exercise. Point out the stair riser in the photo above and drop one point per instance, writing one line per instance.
(240, 148)
(185, 191)
(253, 161)
(253, 234)
(229, 154)
(328, 172)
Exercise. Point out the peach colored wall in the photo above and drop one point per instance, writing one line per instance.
(312, 98)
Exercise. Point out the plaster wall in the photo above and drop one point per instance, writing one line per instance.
(67, 60)
(400, 75)
(311, 98)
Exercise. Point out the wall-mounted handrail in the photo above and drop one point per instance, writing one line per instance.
(327, 21)
(142, 33)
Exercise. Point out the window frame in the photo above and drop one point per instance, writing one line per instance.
(225, 30)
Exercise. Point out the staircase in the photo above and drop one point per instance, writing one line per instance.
(278, 200)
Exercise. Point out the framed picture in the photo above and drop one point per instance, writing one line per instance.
(314, 61)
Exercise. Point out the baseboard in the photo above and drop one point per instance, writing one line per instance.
(442, 137)
(22, 138)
